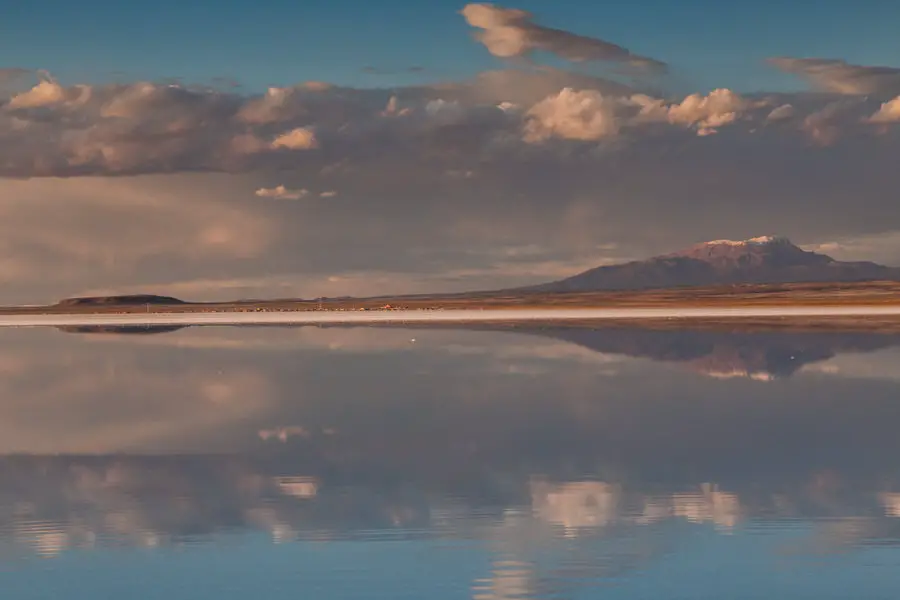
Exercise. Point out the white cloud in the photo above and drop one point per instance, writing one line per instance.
(281, 193)
(45, 93)
(576, 115)
(882, 246)
(300, 138)
(888, 113)
(779, 113)
(717, 108)
(328, 194)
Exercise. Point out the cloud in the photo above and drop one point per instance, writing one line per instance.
(888, 113)
(779, 113)
(839, 77)
(300, 138)
(718, 108)
(578, 115)
(433, 180)
(589, 115)
(45, 93)
(282, 193)
(497, 117)
(12, 73)
(512, 33)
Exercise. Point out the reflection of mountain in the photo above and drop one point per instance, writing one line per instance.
(760, 355)
(720, 353)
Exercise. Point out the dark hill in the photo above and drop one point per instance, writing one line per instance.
(124, 300)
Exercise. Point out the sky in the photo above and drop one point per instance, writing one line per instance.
(221, 150)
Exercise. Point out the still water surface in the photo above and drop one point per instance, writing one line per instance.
(332, 462)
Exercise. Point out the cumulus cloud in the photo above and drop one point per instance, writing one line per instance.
(45, 93)
(718, 108)
(888, 113)
(840, 77)
(512, 33)
(826, 125)
(589, 115)
(579, 115)
(281, 193)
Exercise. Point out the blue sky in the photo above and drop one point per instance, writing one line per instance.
(519, 176)
(259, 44)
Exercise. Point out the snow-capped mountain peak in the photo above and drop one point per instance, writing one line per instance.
(756, 241)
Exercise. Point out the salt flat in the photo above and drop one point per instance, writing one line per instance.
(438, 316)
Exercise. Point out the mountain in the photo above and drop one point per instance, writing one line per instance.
(761, 260)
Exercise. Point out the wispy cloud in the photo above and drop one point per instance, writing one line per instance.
(510, 33)
(840, 77)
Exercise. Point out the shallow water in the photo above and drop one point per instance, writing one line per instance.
(332, 462)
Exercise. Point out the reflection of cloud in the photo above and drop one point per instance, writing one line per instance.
(299, 487)
(710, 504)
(594, 504)
(283, 434)
(509, 579)
(876, 366)
(53, 503)
(741, 373)
(111, 402)
(575, 505)
(62, 503)
(891, 503)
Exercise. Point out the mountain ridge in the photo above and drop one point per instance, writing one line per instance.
(759, 260)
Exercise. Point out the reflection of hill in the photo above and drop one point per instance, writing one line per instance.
(119, 329)
(755, 354)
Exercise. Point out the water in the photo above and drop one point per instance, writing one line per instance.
(553, 462)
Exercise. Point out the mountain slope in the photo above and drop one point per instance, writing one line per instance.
(722, 262)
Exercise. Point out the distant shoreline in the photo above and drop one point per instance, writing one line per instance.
(495, 315)
(730, 303)
(863, 293)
